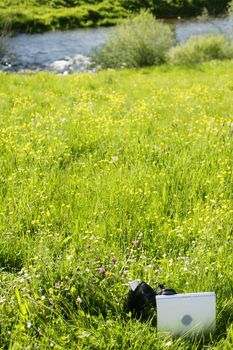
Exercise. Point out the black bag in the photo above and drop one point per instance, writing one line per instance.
(141, 302)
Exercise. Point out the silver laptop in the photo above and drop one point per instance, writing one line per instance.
(186, 314)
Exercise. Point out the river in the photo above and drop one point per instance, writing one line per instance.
(69, 51)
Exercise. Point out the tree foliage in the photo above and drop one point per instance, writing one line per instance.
(161, 8)
(173, 8)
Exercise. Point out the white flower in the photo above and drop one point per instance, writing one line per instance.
(114, 158)
(169, 343)
(2, 300)
(78, 300)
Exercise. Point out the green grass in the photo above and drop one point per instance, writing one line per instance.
(43, 15)
(91, 163)
(30, 17)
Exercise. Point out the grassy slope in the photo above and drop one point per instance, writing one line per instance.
(39, 16)
(30, 18)
(91, 163)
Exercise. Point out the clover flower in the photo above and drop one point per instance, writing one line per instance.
(102, 270)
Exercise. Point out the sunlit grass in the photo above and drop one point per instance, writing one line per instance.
(130, 165)
(37, 16)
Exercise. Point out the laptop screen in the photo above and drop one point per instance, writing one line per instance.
(186, 314)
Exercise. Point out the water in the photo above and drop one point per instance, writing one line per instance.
(186, 29)
(70, 50)
(57, 51)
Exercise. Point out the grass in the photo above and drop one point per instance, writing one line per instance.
(43, 15)
(134, 165)
(30, 17)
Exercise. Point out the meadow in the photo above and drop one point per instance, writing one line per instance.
(106, 178)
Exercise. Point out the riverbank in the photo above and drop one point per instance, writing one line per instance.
(106, 178)
(38, 19)
(31, 17)
(70, 50)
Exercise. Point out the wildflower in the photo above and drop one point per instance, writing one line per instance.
(114, 158)
(29, 325)
(2, 300)
(114, 260)
(102, 270)
(78, 301)
(57, 285)
(169, 343)
(135, 242)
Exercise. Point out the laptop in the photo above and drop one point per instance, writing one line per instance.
(186, 314)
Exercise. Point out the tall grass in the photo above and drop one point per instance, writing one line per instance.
(130, 165)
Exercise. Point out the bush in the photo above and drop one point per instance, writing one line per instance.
(201, 49)
(138, 41)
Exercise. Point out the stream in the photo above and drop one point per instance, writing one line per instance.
(69, 51)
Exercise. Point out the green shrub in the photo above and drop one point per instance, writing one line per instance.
(138, 41)
(201, 49)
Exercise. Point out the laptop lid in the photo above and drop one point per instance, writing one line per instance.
(186, 314)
